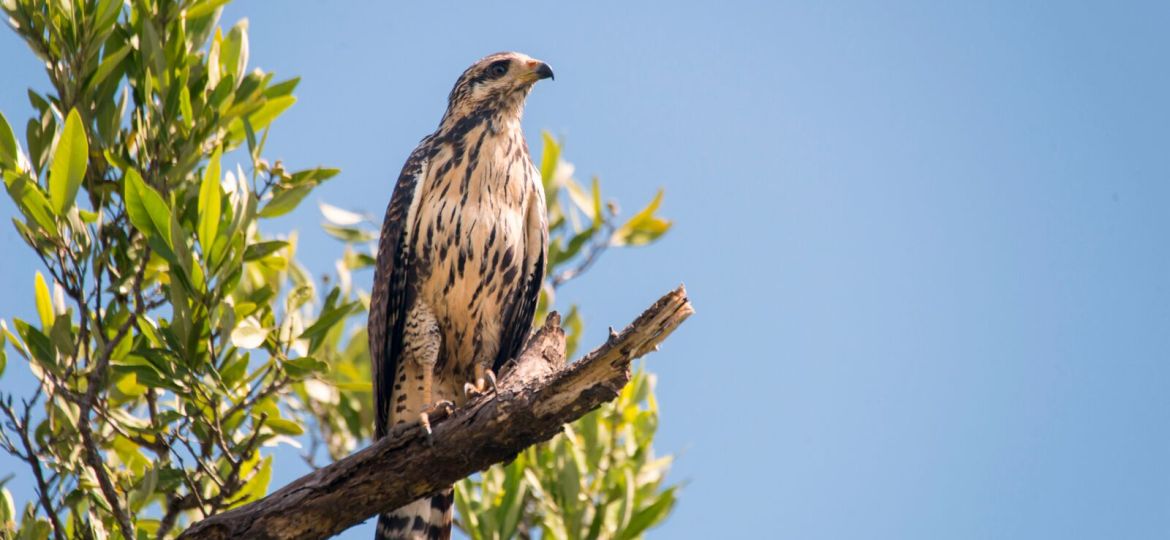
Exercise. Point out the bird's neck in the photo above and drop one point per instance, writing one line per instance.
(498, 121)
(502, 114)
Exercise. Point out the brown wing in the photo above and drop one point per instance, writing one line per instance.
(388, 301)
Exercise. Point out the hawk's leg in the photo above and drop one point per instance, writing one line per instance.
(485, 379)
(423, 341)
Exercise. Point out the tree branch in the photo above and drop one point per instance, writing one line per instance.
(534, 400)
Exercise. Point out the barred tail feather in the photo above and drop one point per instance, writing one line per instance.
(424, 519)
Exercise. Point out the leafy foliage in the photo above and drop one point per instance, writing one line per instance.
(174, 340)
(599, 479)
(167, 342)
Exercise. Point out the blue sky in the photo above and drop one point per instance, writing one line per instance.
(927, 244)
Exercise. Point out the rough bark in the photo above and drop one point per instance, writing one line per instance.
(534, 399)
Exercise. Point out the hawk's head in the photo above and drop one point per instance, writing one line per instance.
(498, 82)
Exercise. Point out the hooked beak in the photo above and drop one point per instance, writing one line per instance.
(544, 72)
(539, 70)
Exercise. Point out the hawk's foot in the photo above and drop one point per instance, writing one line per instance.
(483, 383)
(424, 418)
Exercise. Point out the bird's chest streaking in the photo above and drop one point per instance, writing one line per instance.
(473, 235)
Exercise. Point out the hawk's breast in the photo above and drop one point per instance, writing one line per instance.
(470, 245)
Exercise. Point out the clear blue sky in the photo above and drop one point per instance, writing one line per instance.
(928, 245)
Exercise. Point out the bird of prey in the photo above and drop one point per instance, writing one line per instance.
(461, 260)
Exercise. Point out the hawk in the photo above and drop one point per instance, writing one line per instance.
(461, 260)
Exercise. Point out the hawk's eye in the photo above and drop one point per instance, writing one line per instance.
(498, 69)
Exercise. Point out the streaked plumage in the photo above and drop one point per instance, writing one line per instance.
(460, 262)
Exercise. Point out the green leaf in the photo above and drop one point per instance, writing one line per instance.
(272, 108)
(305, 366)
(209, 203)
(44, 302)
(260, 250)
(147, 210)
(257, 486)
(215, 74)
(69, 164)
(141, 493)
(3, 353)
(7, 507)
(39, 133)
(185, 108)
(314, 176)
(348, 234)
(649, 516)
(233, 53)
(598, 216)
(644, 227)
(284, 426)
(235, 370)
(106, 13)
(324, 323)
(284, 201)
(109, 63)
(550, 156)
(261, 118)
(206, 7)
(283, 88)
(39, 346)
(32, 201)
(8, 149)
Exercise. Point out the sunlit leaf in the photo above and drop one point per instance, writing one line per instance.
(338, 216)
(234, 50)
(44, 302)
(348, 234)
(259, 473)
(324, 323)
(283, 88)
(272, 108)
(263, 249)
(3, 353)
(70, 161)
(147, 210)
(313, 176)
(206, 7)
(33, 203)
(263, 116)
(39, 346)
(649, 516)
(185, 108)
(284, 201)
(141, 493)
(550, 156)
(284, 426)
(643, 227)
(209, 202)
(8, 147)
(110, 62)
(249, 334)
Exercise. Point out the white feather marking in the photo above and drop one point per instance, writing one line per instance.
(412, 211)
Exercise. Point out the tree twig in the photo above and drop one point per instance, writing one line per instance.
(21, 427)
(530, 406)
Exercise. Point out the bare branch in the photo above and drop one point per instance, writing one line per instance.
(595, 251)
(534, 400)
(21, 426)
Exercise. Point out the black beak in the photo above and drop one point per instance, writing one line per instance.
(544, 72)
